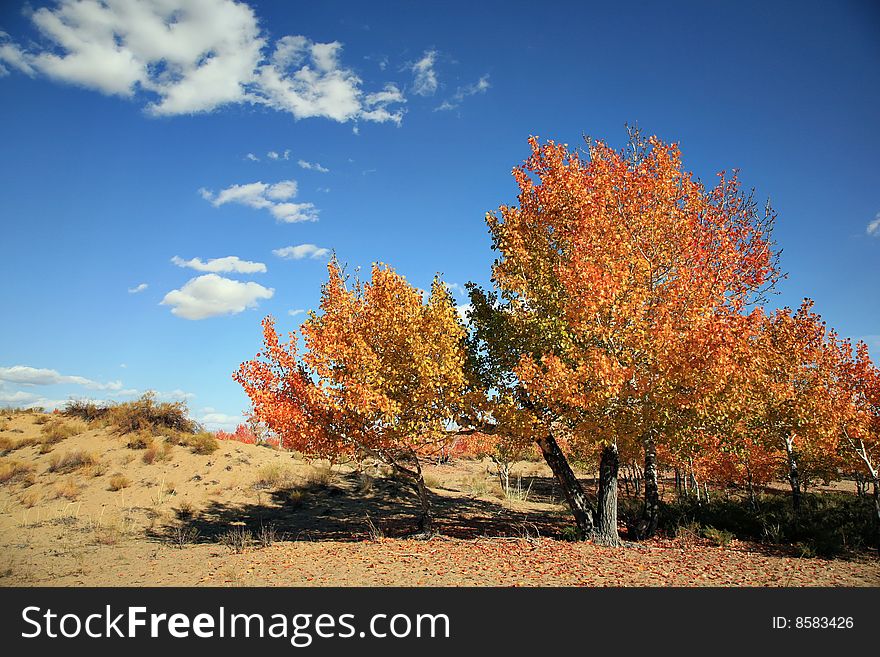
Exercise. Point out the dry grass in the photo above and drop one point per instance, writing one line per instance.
(273, 475)
(12, 471)
(320, 476)
(54, 431)
(139, 440)
(71, 461)
(68, 489)
(118, 481)
(29, 498)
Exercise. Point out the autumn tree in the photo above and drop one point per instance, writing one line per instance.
(792, 392)
(859, 397)
(618, 274)
(381, 372)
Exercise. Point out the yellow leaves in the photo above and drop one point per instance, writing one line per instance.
(382, 369)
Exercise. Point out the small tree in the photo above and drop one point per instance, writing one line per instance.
(859, 390)
(380, 375)
(793, 369)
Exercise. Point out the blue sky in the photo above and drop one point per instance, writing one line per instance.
(394, 126)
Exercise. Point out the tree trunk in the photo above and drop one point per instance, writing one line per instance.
(571, 487)
(606, 525)
(647, 526)
(426, 520)
(876, 481)
(753, 500)
(794, 479)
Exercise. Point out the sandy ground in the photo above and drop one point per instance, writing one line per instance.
(175, 522)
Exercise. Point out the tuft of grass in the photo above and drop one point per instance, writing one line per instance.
(29, 499)
(267, 535)
(476, 485)
(272, 475)
(68, 489)
(54, 431)
(42, 418)
(12, 471)
(140, 440)
(71, 461)
(203, 443)
(432, 481)
(118, 481)
(237, 539)
(320, 476)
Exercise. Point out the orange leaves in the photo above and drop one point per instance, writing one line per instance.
(632, 277)
(380, 372)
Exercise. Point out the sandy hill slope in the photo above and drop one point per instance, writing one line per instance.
(83, 505)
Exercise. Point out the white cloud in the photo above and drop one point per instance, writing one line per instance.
(301, 251)
(306, 79)
(479, 87)
(312, 166)
(252, 157)
(296, 311)
(463, 311)
(275, 155)
(213, 420)
(873, 228)
(34, 376)
(138, 288)
(425, 80)
(17, 397)
(189, 56)
(456, 288)
(222, 265)
(272, 197)
(211, 295)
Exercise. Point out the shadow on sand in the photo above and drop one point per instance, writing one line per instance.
(351, 507)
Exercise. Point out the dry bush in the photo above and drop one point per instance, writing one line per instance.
(85, 410)
(146, 414)
(118, 481)
(203, 443)
(42, 418)
(150, 454)
(71, 461)
(267, 535)
(237, 539)
(7, 444)
(184, 534)
(12, 471)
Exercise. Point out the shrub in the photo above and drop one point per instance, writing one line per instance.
(118, 481)
(85, 410)
(203, 443)
(72, 461)
(827, 524)
(146, 414)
